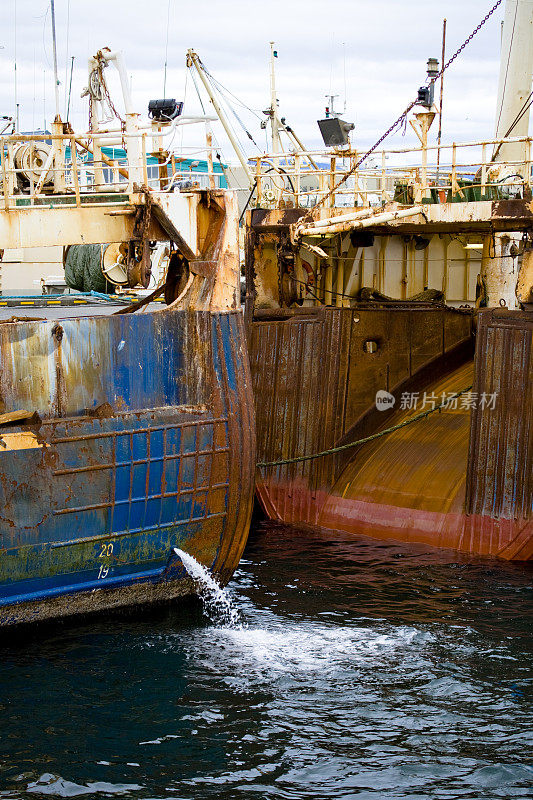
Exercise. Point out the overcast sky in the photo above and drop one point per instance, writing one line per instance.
(373, 54)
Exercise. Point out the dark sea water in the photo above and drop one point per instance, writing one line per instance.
(357, 669)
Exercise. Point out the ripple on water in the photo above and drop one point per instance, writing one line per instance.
(56, 786)
(329, 668)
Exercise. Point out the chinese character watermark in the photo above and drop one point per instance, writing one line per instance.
(452, 401)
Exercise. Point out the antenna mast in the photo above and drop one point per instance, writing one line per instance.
(16, 98)
(56, 78)
(276, 139)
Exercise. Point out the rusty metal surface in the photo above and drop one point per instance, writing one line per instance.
(501, 215)
(524, 286)
(411, 485)
(315, 387)
(500, 466)
(77, 364)
(408, 484)
(145, 443)
(462, 479)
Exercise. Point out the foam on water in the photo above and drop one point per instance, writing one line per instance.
(217, 601)
(306, 650)
(278, 648)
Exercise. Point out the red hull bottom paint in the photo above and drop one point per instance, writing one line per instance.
(505, 538)
(475, 534)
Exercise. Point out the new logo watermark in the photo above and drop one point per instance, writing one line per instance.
(384, 400)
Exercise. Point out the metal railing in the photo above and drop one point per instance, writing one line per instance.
(75, 170)
(447, 173)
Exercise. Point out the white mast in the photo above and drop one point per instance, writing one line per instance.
(514, 87)
(56, 79)
(499, 263)
(276, 139)
(193, 60)
(16, 114)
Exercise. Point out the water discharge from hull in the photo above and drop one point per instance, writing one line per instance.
(217, 601)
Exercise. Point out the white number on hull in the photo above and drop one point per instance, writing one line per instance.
(105, 552)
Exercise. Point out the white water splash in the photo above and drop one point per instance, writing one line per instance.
(291, 654)
(217, 601)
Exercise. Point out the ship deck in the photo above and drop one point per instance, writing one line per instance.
(34, 311)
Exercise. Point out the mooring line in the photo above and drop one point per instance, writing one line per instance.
(422, 415)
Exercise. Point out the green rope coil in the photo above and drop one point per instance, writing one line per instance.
(83, 269)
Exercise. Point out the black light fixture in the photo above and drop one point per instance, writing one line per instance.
(164, 110)
(421, 242)
(425, 96)
(335, 131)
(362, 238)
(426, 93)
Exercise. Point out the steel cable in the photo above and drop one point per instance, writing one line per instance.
(332, 450)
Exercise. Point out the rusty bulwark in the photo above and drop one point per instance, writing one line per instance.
(315, 384)
(500, 475)
(143, 441)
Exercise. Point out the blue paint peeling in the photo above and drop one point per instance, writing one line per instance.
(138, 481)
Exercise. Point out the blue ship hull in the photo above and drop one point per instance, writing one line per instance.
(142, 441)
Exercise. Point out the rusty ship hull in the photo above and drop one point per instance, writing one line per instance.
(459, 479)
(142, 442)
(126, 435)
(376, 276)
